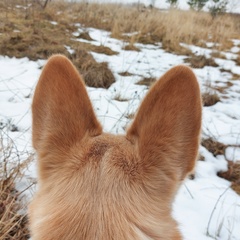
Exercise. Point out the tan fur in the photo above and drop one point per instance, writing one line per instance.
(98, 186)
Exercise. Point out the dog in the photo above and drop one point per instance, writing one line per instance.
(99, 186)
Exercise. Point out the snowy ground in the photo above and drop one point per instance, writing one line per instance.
(205, 207)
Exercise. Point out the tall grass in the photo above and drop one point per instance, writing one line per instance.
(170, 27)
(27, 27)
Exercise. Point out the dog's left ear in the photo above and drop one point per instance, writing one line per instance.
(62, 112)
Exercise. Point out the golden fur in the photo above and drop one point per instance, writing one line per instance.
(98, 186)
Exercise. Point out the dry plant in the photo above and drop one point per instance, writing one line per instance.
(238, 60)
(233, 175)
(233, 172)
(209, 98)
(151, 26)
(200, 61)
(131, 47)
(125, 74)
(94, 74)
(148, 81)
(119, 98)
(213, 146)
(27, 30)
(13, 218)
(209, 94)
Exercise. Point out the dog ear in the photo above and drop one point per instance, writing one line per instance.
(61, 111)
(167, 125)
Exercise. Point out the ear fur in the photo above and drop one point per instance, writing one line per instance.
(167, 126)
(61, 110)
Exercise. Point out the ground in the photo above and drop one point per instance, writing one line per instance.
(206, 206)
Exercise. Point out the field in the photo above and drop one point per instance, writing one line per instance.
(120, 50)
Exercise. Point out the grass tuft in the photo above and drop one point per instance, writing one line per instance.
(131, 47)
(232, 175)
(210, 99)
(200, 61)
(13, 219)
(215, 147)
(148, 81)
(94, 74)
(125, 74)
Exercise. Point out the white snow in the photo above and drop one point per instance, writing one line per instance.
(206, 207)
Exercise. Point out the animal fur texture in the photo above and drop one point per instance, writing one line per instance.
(98, 186)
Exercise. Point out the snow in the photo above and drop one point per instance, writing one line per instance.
(205, 207)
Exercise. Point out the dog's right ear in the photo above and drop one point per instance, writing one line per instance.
(61, 111)
(167, 126)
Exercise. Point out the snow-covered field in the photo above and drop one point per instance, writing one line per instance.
(206, 207)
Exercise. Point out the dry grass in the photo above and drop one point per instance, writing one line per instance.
(210, 98)
(125, 74)
(148, 81)
(13, 219)
(218, 54)
(238, 60)
(130, 115)
(209, 94)
(84, 35)
(215, 147)
(200, 61)
(27, 30)
(151, 26)
(233, 172)
(95, 74)
(119, 98)
(131, 47)
(232, 175)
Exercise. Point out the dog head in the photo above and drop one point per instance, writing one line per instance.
(94, 185)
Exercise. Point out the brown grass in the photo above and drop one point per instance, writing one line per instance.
(119, 98)
(210, 98)
(200, 61)
(84, 35)
(153, 26)
(233, 172)
(232, 175)
(13, 219)
(238, 60)
(125, 74)
(131, 47)
(218, 54)
(148, 81)
(95, 74)
(130, 115)
(215, 147)
(28, 32)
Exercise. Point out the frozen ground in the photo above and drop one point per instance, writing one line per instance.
(205, 207)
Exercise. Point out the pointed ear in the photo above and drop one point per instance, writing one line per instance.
(167, 126)
(61, 110)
